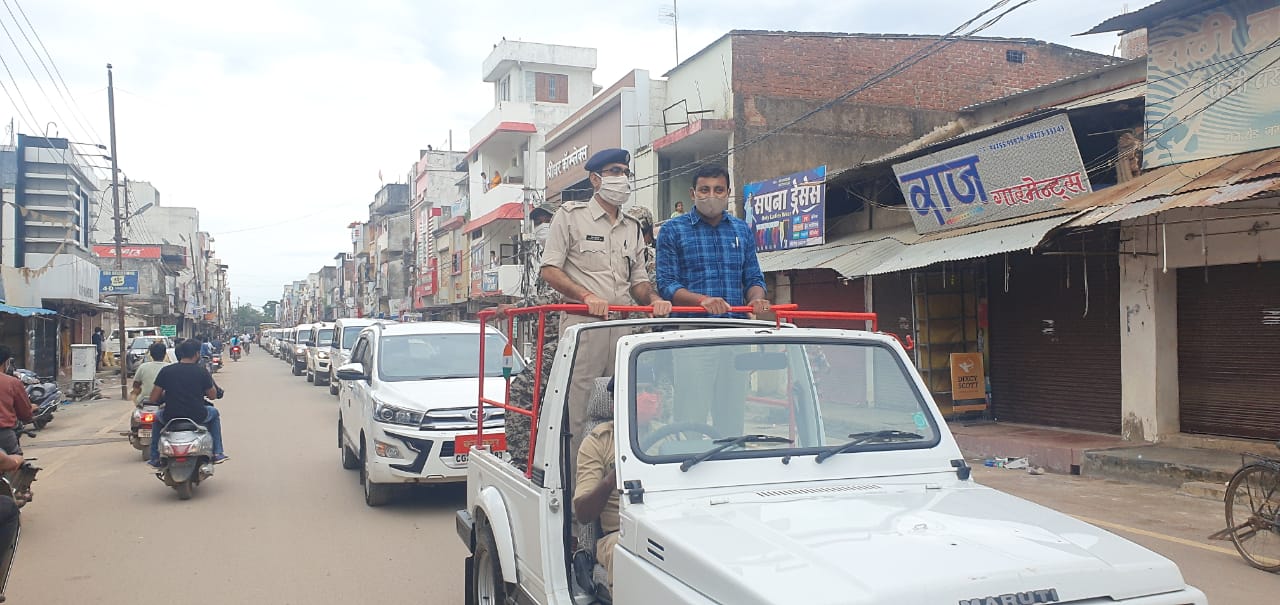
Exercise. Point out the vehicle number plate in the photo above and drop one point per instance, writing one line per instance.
(460, 458)
(144, 433)
(496, 442)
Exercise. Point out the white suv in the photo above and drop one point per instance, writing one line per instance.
(408, 408)
(345, 332)
(318, 353)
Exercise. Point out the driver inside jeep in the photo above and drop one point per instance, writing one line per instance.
(595, 494)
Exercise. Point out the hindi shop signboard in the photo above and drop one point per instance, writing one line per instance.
(1212, 83)
(118, 282)
(109, 251)
(789, 211)
(1017, 172)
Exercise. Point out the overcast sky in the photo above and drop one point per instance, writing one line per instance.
(274, 117)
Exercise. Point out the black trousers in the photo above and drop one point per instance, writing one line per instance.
(9, 441)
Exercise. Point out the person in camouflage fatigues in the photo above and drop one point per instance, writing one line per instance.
(536, 292)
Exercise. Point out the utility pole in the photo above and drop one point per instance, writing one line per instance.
(121, 360)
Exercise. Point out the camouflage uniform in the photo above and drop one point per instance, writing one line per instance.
(537, 292)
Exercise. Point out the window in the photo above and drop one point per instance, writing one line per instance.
(457, 263)
(551, 88)
(1015, 56)
(504, 88)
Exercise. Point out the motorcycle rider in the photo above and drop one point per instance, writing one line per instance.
(144, 378)
(15, 406)
(182, 387)
(8, 521)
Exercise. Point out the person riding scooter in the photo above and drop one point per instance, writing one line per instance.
(15, 406)
(182, 387)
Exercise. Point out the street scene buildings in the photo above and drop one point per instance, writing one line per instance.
(1021, 204)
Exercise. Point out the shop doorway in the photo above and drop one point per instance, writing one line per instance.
(949, 315)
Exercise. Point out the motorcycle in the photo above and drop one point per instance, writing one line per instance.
(215, 363)
(186, 456)
(44, 394)
(16, 484)
(235, 352)
(141, 427)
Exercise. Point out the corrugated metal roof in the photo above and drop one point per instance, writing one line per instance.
(1206, 182)
(925, 145)
(850, 255)
(24, 311)
(976, 244)
(1147, 15)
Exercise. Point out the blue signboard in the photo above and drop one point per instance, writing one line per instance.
(1212, 82)
(789, 211)
(118, 282)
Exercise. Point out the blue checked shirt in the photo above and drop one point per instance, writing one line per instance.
(716, 261)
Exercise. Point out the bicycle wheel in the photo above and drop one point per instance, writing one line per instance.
(1253, 515)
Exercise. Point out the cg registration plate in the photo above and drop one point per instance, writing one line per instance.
(496, 442)
(144, 433)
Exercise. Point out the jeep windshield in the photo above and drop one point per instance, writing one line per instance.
(436, 356)
(774, 399)
(325, 336)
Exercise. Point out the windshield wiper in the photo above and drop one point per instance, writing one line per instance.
(861, 438)
(727, 443)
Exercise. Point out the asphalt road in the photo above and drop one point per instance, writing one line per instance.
(281, 522)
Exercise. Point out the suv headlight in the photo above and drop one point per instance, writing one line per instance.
(322, 354)
(391, 414)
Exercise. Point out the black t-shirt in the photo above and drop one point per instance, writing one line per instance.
(184, 387)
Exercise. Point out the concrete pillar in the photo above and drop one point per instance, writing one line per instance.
(1148, 349)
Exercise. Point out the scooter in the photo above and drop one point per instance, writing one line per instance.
(44, 394)
(10, 487)
(215, 363)
(141, 426)
(235, 352)
(16, 484)
(186, 456)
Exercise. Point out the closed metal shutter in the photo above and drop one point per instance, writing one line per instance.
(1051, 363)
(1229, 350)
(824, 290)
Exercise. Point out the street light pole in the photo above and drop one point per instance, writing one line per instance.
(115, 200)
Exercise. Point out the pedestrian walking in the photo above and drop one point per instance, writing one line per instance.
(98, 346)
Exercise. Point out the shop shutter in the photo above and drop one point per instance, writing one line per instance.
(1228, 350)
(824, 290)
(1051, 363)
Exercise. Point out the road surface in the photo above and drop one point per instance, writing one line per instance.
(283, 523)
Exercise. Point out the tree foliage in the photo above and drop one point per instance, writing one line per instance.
(247, 317)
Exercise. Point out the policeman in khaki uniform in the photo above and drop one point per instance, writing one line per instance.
(595, 255)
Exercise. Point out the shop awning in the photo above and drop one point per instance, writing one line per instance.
(1207, 182)
(850, 256)
(972, 244)
(506, 212)
(24, 311)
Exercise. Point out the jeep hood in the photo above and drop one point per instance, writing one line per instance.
(893, 544)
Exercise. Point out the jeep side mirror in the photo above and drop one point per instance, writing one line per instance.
(351, 371)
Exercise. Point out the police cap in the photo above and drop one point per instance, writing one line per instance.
(607, 156)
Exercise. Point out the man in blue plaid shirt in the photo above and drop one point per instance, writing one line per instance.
(707, 258)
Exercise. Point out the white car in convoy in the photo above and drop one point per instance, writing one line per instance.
(318, 353)
(765, 465)
(297, 349)
(345, 332)
(407, 413)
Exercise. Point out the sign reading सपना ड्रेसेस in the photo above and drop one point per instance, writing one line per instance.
(788, 211)
(1014, 173)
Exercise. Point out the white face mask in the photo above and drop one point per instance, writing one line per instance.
(540, 232)
(711, 207)
(615, 190)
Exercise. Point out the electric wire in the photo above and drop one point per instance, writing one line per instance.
(72, 103)
(36, 79)
(942, 42)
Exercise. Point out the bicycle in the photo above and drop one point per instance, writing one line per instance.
(1253, 511)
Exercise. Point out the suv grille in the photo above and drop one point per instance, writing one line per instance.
(454, 419)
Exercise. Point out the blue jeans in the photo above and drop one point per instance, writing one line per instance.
(213, 422)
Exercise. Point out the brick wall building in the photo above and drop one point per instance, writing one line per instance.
(750, 82)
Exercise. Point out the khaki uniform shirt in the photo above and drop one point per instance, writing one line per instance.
(603, 256)
(595, 460)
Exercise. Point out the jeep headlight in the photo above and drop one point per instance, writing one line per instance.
(322, 354)
(391, 414)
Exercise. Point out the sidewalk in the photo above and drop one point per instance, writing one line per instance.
(1198, 466)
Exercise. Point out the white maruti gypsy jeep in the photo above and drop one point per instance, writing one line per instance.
(780, 465)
